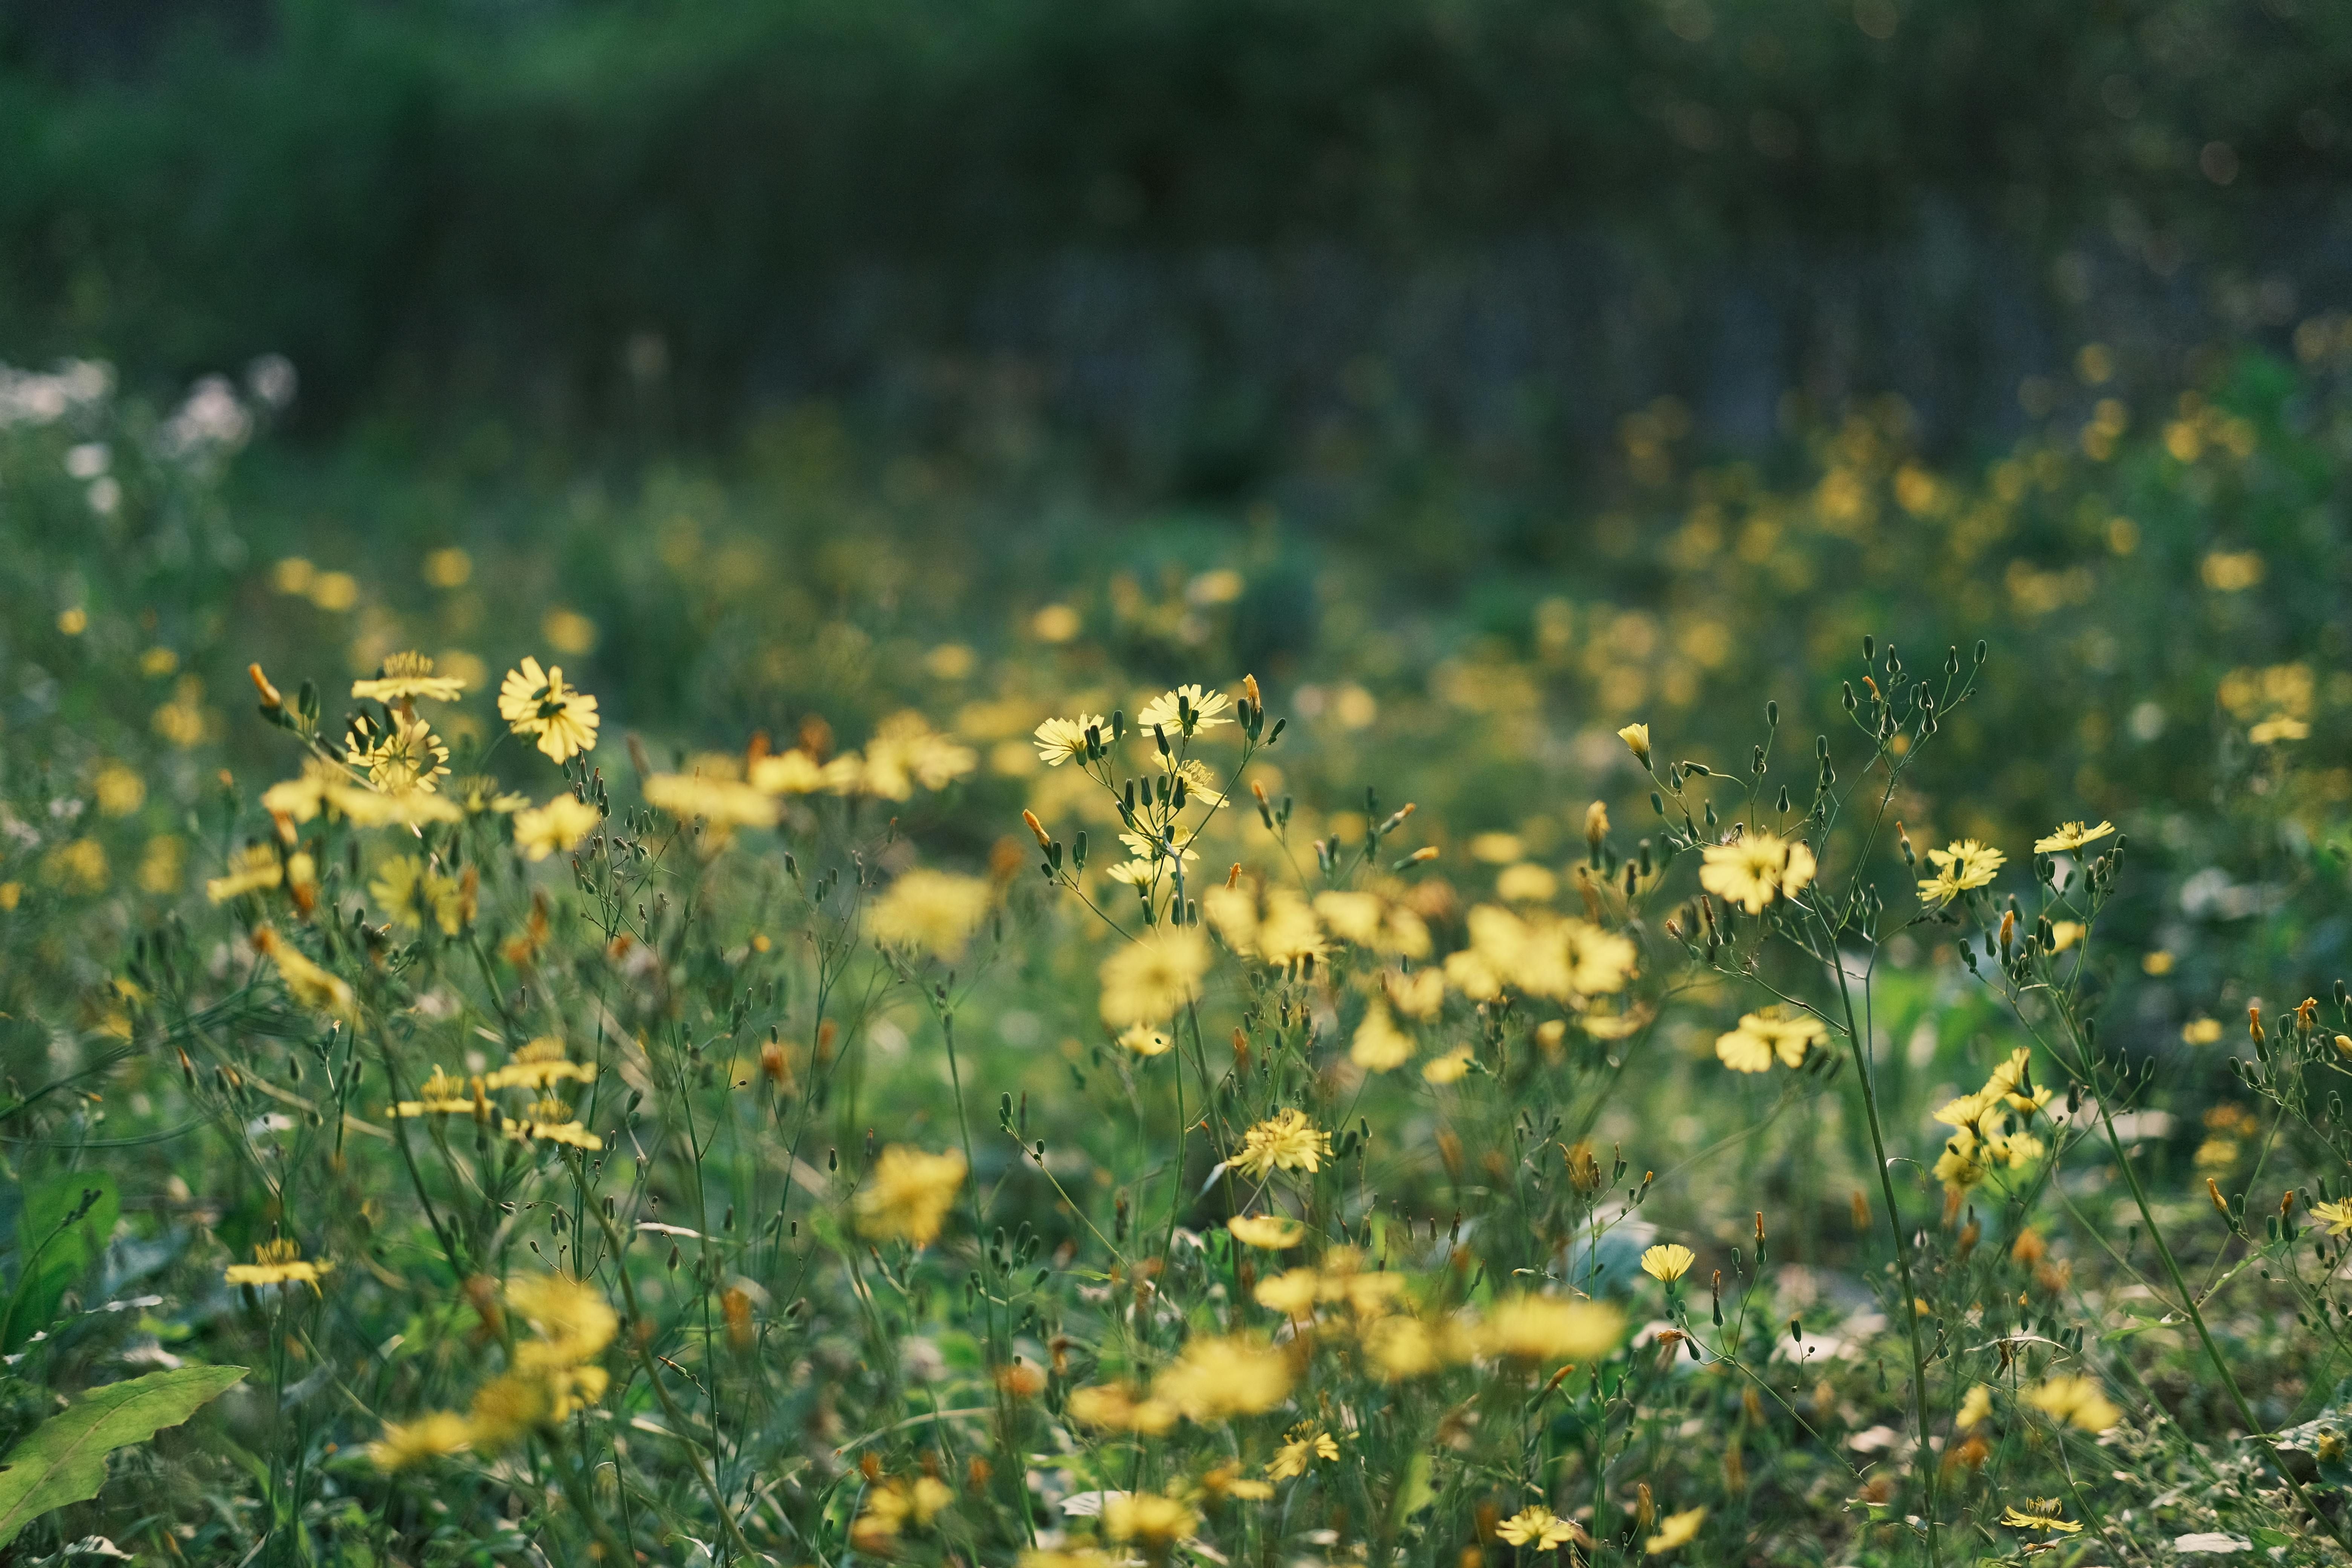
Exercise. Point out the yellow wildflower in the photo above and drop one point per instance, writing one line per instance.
(1965, 863)
(1276, 1233)
(252, 869)
(1533, 1328)
(1380, 1046)
(536, 702)
(723, 803)
(2040, 1513)
(405, 677)
(1452, 1067)
(1299, 1450)
(1764, 1035)
(1637, 741)
(934, 910)
(1148, 981)
(1536, 1526)
(1152, 1521)
(407, 756)
(2336, 1217)
(1668, 1263)
(537, 1065)
(905, 752)
(2071, 836)
(1285, 1140)
(1146, 1041)
(1292, 1293)
(305, 982)
(431, 1436)
(1117, 1407)
(555, 828)
(2078, 1401)
(1351, 916)
(1974, 1407)
(1184, 710)
(1755, 869)
(279, 1262)
(416, 896)
(1217, 1378)
(1060, 739)
(572, 1320)
(1674, 1529)
(909, 1194)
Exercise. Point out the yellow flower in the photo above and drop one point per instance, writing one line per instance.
(1059, 740)
(1420, 994)
(1965, 864)
(365, 808)
(909, 1194)
(789, 773)
(934, 910)
(1292, 1293)
(120, 790)
(1184, 710)
(1755, 869)
(1146, 1041)
(1380, 1046)
(905, 752)
(1217, 1378)
(416, 896)
(1764, 1035)
(431, 1436)
(1276, 1234)
(2200, 1031)
(1299, 1451)
(251, 870)
(2071, 836)
(1546, 1328)
(572, 1319)
(535, 701)
(2064, 934)
(407, 756)
(1289, 930)
(477, 795)
(1674, 1529)
(1526, 883)
(405, 677)
(723, 803)
(305, 982)
(279, 1262)
(1974, 1407)
(1401, 1347)
(1232, 913)
(555, 828)
(1668, 1263)
(1148, 981)
(537, 1065)
(1116, 1408)
(2283, 727)
(1536, 1526)
(1637, 741)
(1200, 784)
(2336, 1217)
(1285, 1140)
(1153, 1521)
(2075, 1400)
(1452, 1067)
(1351, 916)
(2040, 1513)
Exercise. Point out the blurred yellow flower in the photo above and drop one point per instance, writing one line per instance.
(1548, 1329)
(1153, 1521)
(1772, 1033)
(1379, 1044)
(1755, 869)
(1974, 1407)
(279, 1262)
(934, 910)
(555, 828)
(1148, 981)
(1674, 1529)
(1536, 1526)
(907, 1195)
(416, 896)
(405, 677)
(1146, 1041)
(537, 702)
(1275, 1233)
(2078, 1401)
(905, 752)
(252, 869)
(1117, 1407)
(721, 802)
(119, 789)
(1299, 1451)
(434, 1436)
(1452, 1067)
(1217, 1378)
(309, 985)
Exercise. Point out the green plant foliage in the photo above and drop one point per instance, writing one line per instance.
(63, 1460)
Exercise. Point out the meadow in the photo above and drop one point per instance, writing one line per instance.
(846, 1001)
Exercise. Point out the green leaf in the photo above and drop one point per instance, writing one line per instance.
(65, 1458)
(60, 1232)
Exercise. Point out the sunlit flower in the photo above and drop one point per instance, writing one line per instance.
(1674, 1529)
(789, 773)
(537, 1065)
(1975, 1405)
(1118, 1408)
(1351, 916)
(1299, 1451)
(2071, 836)
(1965, 864)
(408, 756)
(2078, 1401)
(405, 677)
(1275, 1233)
(1755, 869)
(435, 1436)
(2041, 1514)
(1147, 981)
(555, 828)
(1146, 1041)
(1452, 1067)
(1152, 1521)
(1548, 1328)
(1184, 710)
(536, 702)
(934, 910)
(1293, 1292)
(1401, 1347)
(1285, 1140)
(1151, 850)
(1637, 741)
(1536, 1526)
(252, 869)
(909, 1194)
(905, 752)
(1288, 931)
(1217, 1378)
(1770, 1035)
(416, 896)
(479, 794)
(2336, 1217)
(1200, 784)
(1059, 740)
(723, 803)
(279, 1262)
(1420, 994)
(309, 985)
(572, 1320)
(1380, 1046)
(1668, 1263)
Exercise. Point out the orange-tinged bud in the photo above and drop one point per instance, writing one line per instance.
(1249, 690)
(2254, 1022)
(2220, 1203)
(269, 696)
(1036, 827)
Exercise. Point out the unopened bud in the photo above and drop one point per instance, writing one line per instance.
(271, 701)
(1036, 827)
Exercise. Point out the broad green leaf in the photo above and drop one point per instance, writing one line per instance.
(63, 1460)
(60, 1232)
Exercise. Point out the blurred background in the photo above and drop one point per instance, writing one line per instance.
(1480, 373)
